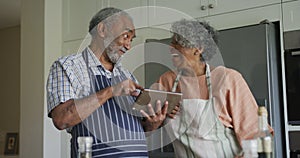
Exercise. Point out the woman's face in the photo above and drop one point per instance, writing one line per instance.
(182, 57)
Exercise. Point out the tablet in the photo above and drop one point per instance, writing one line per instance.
(149, 96)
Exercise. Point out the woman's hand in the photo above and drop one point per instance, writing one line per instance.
(174, 112)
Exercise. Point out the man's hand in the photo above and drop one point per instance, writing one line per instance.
(127, 87)
(154, 119)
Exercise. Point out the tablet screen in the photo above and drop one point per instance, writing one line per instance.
(149, 96)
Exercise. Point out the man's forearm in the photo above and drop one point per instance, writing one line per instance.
(72, 112)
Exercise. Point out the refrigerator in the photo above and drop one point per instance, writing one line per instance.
(252, 50)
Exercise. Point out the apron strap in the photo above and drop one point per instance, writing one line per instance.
(176, 81)
(90, 72)
(208, 82)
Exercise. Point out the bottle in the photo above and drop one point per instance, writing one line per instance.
(85, 147)
(264, 137)
(250, 148)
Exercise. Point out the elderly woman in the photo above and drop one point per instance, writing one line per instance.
(218, 109)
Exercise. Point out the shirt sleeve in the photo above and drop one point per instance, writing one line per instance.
(59, 88)
(165, 82)
(242, 107)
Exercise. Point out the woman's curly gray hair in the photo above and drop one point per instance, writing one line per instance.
(195, 34)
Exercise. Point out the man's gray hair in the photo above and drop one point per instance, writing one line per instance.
(108, 16)
(195, 34)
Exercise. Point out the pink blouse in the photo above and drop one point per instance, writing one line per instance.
(235, 103)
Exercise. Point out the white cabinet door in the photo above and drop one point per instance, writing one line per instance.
(245, 17)
(200, 8)
(291, 16)
(76, 46)
(136, 8)
(221, 6)
(288, 0)
(76, 17)
(193, 8)
(127, 4)
(167, 11)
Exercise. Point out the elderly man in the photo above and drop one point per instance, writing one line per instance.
(90, 93)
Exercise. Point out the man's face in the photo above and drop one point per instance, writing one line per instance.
(119, 40)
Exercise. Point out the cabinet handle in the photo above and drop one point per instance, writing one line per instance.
(211, 6)
(203, 7)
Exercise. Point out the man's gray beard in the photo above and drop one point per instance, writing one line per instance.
(112, 54)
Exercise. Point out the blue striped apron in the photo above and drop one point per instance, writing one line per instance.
(114, 127)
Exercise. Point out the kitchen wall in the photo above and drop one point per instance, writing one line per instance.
(9, 83)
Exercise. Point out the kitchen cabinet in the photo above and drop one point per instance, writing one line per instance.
(137, 9)
(227, 20)
(200, 8)
(245, 17)
(221, 6)
(77, 14)
(291, 12)
(75, 46)
(288, 0)
(124, 5)
(167, 11)
(76, 17)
